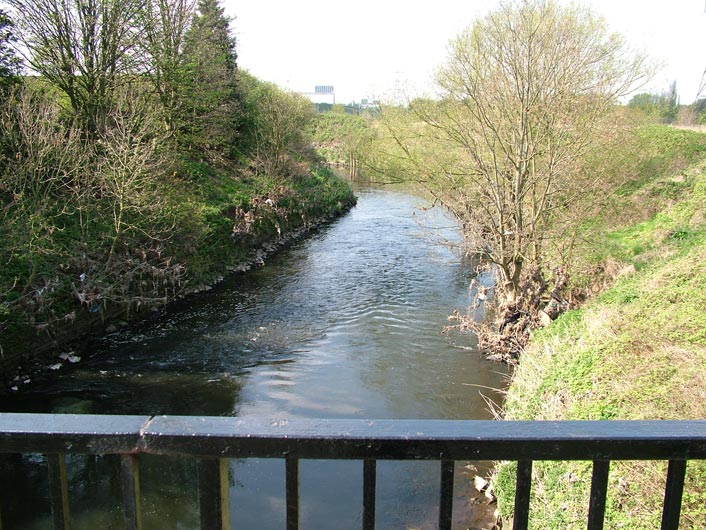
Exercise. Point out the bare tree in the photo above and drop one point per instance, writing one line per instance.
(45, 186)
(132, 265)
(81, 46)
(165, 24)
(128, 163)
(527, 93)
(47, 177)
(526, 90)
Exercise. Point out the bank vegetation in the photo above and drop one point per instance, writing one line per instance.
(589, 214)
(515, 147)
(636, 350)
(137, 163)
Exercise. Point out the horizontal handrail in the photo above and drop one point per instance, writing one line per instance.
(353, 438)
(214, 440)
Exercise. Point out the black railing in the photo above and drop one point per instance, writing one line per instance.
(214, 440)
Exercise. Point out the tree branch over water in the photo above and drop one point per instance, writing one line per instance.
(529, 94)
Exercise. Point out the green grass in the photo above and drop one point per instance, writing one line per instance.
(193, 228)
(664, 151)
(636, 351)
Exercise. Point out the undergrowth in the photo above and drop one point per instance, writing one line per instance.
(636, 351)
(64, 274)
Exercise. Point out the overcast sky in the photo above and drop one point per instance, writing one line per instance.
(371, 48)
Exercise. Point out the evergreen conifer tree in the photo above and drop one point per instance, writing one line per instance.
(211, 91)
(10, 64)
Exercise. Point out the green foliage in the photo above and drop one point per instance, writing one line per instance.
(666, 149)
(659, 163)
(196, 171)
(10, 63)
(343, 139)
(138, 238)
(275, 125)
(662, 108)
(210, 102)
(637, 351)
(126, 179)
(164, 25)
(699, 108)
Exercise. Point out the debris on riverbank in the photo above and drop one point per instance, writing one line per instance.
(37, 340)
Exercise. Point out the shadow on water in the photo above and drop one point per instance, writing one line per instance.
(346, 324)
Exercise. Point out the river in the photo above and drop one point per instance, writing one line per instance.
(344, 324)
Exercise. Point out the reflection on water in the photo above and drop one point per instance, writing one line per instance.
(347, 324)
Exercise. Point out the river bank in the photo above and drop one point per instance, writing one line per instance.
(635, 350)
(344, 323)
(243, 222)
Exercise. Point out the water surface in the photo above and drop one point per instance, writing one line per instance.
(345, 324)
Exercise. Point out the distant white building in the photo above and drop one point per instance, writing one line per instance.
(322, 94)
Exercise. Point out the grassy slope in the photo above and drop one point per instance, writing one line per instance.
(637, 351)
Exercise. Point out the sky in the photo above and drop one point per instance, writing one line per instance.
(378, 49)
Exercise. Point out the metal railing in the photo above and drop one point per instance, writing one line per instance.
(214, 440)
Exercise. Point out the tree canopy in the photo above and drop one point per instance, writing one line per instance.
(663, 107)
(527, 92)
(210, 86)
(83, 47)
(137, 153)
(10, 63)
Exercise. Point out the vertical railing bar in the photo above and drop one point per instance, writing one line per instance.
(224, 476)
(369, 487)
(59, 491)
(292, 486)
(523, 487)
(214, 500)
(599, 490)
(446, 497)
(130, 479)
(673, 494)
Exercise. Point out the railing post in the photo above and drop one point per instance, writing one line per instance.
(369, 487)
(292, 486)
(673, 494)
(214, 501)
(523, 488)
(130, 479)
(59, 491)
(446, 499)
(599, 489)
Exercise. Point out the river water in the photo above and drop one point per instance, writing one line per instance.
(345, 324)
